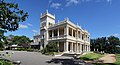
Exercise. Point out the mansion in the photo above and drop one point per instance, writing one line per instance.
(69, 37)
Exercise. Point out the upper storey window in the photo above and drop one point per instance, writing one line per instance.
(70, 31)
(82, 36)
(43, 24)
(50, 24)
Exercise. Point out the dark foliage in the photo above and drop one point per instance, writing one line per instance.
(10, 16)
(106, 44)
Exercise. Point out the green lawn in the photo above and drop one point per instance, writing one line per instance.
(117, 59)
(91, 56)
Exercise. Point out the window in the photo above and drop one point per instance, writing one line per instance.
(50, 33)
(82, 37)
(50, 24)
(70, 31)
(55, 32)
(43, 24)
(74, 32)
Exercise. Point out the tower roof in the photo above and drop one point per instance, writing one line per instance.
(47, 14)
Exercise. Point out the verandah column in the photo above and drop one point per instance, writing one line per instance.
(89, 47)
(86, 47)
(66, 46)
(66, 30)
(77, 47)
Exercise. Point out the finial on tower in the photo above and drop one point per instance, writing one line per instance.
(67, 18)
(58, 21)
(77, 24)
(41, 14)
(46, 11)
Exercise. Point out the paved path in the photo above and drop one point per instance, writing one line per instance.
(109, 58)
(35, 58)
(30, 58)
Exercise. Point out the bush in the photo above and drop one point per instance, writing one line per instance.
(5, 63)
(29, 49)
(24, 49)
(50, 49)
(43, 51)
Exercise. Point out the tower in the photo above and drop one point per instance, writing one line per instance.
(46, 20)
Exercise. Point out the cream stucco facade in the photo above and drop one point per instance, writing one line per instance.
(69, 37)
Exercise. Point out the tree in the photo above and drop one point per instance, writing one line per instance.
(106, 44)
(113, 42)
(10, 16)
(21, 41)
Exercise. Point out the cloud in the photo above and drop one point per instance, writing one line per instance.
(55, 5)
(70, 2)
(29, 24)
(35, 31)
(49, 1)
(109, 1)
(116, 35)
(23, 26)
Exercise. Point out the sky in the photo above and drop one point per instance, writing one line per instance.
(99, 17)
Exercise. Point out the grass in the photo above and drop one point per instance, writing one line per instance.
(91, 56)
(104, 64)
(116, 63)
(117, 59)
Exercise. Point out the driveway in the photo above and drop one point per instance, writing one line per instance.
(30, 58)
(35, 58)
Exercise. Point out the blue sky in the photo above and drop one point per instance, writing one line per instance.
(99, 17)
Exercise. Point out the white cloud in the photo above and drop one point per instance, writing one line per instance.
(35, 31)
(70, 2)
(49, 1)
(116, 35)
(29, 24)
(55, 5)
(109, 1)
(23, 26)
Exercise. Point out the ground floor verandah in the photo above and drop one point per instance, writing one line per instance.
(72, 47)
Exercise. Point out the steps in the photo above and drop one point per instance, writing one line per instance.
(70, 54)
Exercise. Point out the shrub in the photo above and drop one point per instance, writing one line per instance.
(24, 49)
(29, 49)
(5, 63)
(50, 49)
(44, 50)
